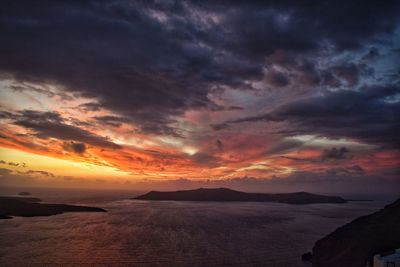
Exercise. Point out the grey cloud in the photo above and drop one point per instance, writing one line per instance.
(364, 115)
(150, 70)
(351, 72)
(111, 120)
(335, 153)
(205, 159)
(277, 79)
(78, 148)
(219, 145)
(51, 125)
(284, 146)
(351, 170)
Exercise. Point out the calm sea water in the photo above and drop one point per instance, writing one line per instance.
(167, 233)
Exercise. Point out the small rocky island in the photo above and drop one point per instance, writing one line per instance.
(30, 207)
(225, 194)
(355, 243)
(24, 193)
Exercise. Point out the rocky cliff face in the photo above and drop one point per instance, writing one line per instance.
(356, 242)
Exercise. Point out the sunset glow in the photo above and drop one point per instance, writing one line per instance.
(199, 133)
(149, 100)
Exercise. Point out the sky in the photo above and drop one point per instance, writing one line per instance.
(254, 95)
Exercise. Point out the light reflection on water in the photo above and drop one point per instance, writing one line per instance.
(145, 233)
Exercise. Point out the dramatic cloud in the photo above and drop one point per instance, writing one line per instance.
(111, 120)
(78, 148)
(284, 146)
(366, 115)
(152, 61)
(219, 90)
(219, 145)
(51, 125)
(335, 153)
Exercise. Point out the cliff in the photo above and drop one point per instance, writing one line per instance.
(358, 241)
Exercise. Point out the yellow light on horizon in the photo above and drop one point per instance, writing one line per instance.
(189, 150)
(60, 167)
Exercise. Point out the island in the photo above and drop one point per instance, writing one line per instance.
(24, 193)
(226, 194)
(30, 207)
(355, 243)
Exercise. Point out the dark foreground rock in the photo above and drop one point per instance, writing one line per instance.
(225, 194)
(358, 241)
(306, 256)
(29, 207)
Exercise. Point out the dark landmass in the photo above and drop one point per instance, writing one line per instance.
(29, 207)
(306, 256)
(225, 194)
(26, 199)
(359, 200)
(358, 241)
(24, 193)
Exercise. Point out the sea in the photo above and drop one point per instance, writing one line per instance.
(169, 233)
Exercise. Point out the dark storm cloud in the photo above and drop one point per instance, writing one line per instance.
(327, 155)
(150, 61)
(366, 115)
(111, 120)
(284, 146)
(335, 153)
(205, 159)
(350, 72)
(350, 170)
(263, 26)
(219, 145)
(51, 125)
(7, 115)
(41, 90)
(306, 71)
(224, 108)
(277, 79)
(78, 148)
(372, 54)
(21, 88)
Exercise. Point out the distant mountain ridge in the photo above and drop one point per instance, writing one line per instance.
(226, 194)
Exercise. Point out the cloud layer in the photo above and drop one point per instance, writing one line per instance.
(203, 89)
